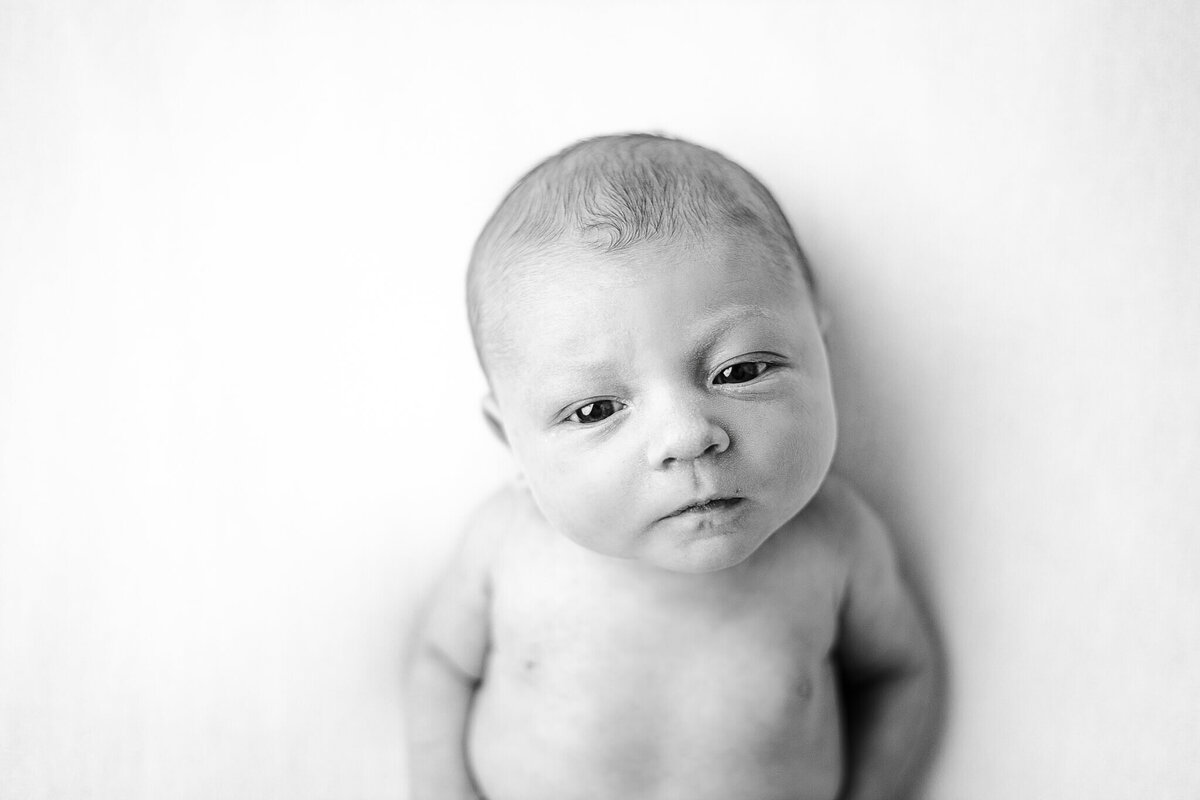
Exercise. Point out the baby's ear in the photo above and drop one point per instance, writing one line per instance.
(491, 413)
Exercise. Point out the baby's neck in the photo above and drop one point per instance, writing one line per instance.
(634, 575)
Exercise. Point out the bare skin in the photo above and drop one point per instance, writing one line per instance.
(546, 670)
(668, 607)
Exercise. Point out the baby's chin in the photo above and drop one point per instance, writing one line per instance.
(704, 554)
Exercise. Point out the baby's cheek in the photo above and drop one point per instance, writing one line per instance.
(791, 448)
(583, 497)
(605, 498)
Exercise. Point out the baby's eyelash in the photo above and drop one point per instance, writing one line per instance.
(741, 372)
(594, 411)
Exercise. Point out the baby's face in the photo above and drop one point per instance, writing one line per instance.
(670, 403)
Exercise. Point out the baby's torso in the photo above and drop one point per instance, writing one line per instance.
(603, 686)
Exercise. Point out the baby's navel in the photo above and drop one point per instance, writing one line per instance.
(526, 670)
(804, 687)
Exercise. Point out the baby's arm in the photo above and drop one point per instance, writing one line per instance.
(446, 666)
(890, 668)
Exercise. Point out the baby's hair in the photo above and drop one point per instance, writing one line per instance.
(610, 193)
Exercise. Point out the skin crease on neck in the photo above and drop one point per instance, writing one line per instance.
(667, 375)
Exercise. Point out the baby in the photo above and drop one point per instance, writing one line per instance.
(677, 600)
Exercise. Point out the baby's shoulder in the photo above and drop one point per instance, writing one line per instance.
(837, 522)
(494, 522)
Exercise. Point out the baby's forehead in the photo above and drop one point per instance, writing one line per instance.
(750, 253)
(561, 288)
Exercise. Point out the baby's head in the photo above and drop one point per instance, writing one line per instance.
(647, 323)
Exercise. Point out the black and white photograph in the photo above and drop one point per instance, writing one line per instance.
(531, 400)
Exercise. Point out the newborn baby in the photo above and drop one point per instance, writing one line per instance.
(677, 599)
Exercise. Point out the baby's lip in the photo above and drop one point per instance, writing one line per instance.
(706, 504)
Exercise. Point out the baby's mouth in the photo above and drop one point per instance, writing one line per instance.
(708, 506)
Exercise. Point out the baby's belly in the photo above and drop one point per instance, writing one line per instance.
(724, 726)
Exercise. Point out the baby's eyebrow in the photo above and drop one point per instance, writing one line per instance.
(726, 320)
(574, 379)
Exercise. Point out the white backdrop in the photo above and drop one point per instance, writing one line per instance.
(239, 410)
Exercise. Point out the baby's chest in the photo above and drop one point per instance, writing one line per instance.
(661, 653)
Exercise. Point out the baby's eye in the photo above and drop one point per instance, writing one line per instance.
(595, 411)
(740, 373)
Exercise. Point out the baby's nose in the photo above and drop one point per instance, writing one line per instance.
(684, 432)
